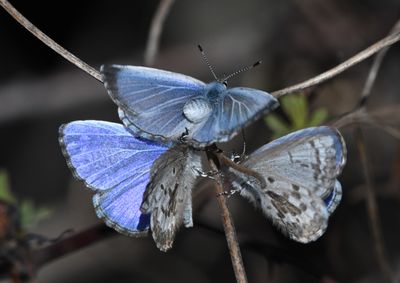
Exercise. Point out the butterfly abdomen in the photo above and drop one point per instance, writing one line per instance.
(197, 109)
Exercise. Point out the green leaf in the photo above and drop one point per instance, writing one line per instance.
(29, 213)
(318, 117)
(5, 192)
(296, 108)
(277, 125)
(32, 215)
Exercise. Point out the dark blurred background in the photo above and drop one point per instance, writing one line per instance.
(295, 39)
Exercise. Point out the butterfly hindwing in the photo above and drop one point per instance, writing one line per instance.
(115, 165)
(169, 194)
(334, 198)
(233, 110)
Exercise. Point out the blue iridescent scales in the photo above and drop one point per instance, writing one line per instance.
(115, 165)
(161, 105)
(142, 175)
(138, 184)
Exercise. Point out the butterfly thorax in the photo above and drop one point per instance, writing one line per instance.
(214, 89)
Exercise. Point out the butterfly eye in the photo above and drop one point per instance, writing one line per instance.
(225, 83)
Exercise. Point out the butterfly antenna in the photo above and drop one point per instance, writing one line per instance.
(242, 70)
(203, 54)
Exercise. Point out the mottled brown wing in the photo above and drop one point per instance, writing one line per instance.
(299, 173)
(168, 196)
(300, 214)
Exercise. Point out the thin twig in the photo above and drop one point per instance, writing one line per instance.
(372, 205)
(361, 115)
(376, 66)
(273, 253)
(157, 24)
(229, 228)
(372, 208)
(387, 41)
(71, 244)
(48, 41)
(229, 163)
(153, 45)
(390, 130)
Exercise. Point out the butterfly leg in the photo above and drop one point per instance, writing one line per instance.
(209, 174)
(183, 137)
(228, 193)
(236, 157)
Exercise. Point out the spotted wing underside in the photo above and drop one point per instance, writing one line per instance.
(299, 188)
(168, 196)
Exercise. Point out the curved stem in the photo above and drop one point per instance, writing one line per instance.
(229, 163)
(71, 244)
(385, 42)
(48, 41)
(157, 24)
(373, 72)
(372, 208)
(229, 228)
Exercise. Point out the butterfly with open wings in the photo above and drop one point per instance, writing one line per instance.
(161, 105)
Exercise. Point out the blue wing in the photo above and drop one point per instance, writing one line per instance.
(236, 108)
(152, 103)
(151, 100)
(115, 165)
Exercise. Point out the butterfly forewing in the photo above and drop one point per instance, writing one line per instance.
(151, 101)
(116, 166)
(140, 90)
(168, 196)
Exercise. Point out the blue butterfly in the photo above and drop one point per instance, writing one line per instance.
(295, 180)
(162, 105)
(139, 185)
